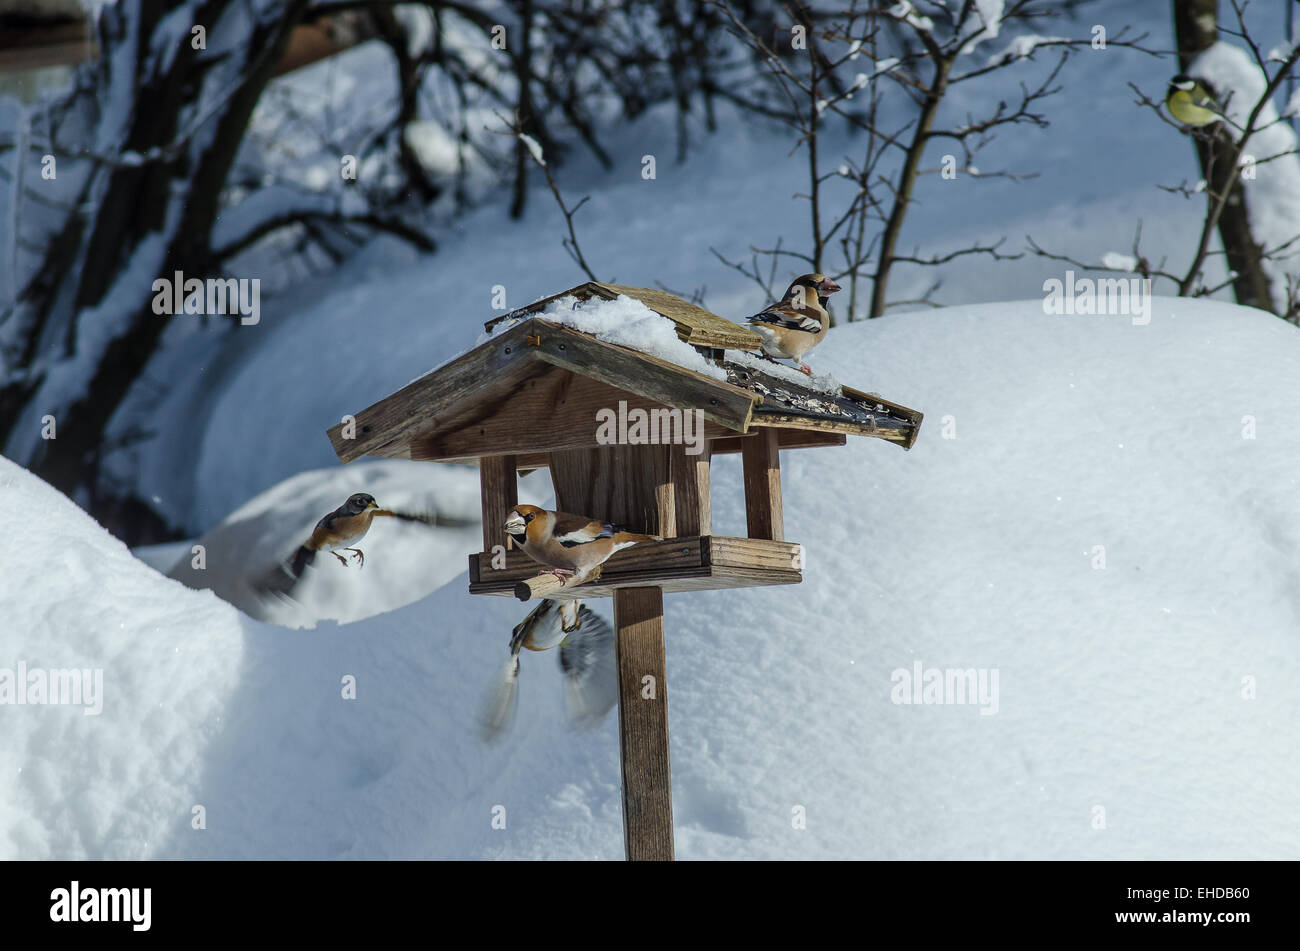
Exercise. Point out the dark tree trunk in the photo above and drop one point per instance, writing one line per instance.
(409, 75)
(1196, 29)
(175, 192)
(522, 57)
(906, 182)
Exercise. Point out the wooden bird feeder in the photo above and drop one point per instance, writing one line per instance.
(528, 398)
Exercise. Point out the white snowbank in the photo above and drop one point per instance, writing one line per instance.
(71, 597)
(1154, 693)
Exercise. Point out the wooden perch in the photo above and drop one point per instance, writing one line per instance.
(538, 587)
(545, 584)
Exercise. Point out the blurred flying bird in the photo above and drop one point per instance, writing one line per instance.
(586, 643)
(798, 321)
(340, 530)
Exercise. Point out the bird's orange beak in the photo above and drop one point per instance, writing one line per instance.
(827, 287)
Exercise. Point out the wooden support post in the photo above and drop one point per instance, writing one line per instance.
(498, 493)
(643, 724)
(692, 502)
(761, 462)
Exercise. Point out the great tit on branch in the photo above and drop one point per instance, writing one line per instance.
(1191, 103)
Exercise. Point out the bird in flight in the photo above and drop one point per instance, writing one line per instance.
(586, 642)
(339, 531)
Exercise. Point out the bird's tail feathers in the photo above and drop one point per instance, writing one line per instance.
(635, 537)
(278, 581)
(303, 557)
(502, 701)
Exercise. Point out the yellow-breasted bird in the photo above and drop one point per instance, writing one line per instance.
(1191, 102)
(568, 545)
(586, 643)
(798, 321)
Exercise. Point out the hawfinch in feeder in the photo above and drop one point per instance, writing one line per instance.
(568, 545)
(798, 321)
(586, 643)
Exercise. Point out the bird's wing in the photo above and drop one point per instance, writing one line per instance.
(281, 577)
(590, 674)
(570, 530)
(428, 518)
(790, 318)
(277, 582)
(1205, 101)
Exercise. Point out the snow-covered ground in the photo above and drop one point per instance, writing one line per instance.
(1143, 709)
(74, 783)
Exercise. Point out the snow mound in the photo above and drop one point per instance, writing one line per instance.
(72, 598)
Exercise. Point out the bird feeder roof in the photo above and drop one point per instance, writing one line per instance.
(534, 387)
(695, 325)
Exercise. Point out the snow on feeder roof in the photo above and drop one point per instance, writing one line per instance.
(694, 324)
